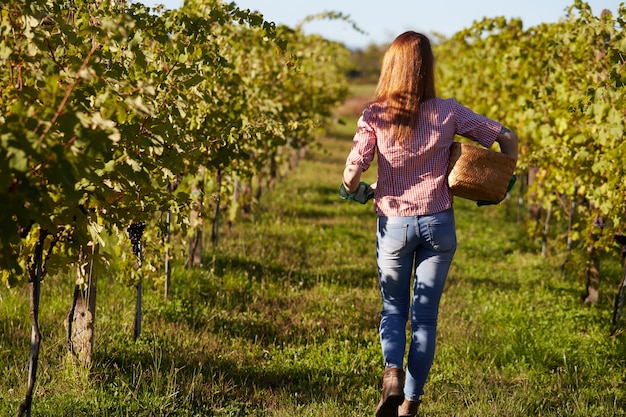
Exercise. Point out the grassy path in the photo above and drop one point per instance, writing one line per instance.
(281, 320)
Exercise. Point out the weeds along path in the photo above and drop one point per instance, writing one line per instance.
(306, 262)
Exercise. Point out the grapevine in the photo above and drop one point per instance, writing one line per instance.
(105, 105)
(561, 86)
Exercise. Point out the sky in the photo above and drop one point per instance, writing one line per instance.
(383, 20)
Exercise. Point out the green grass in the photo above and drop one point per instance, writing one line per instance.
(281, 320)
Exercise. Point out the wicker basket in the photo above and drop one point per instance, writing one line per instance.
(479, 174)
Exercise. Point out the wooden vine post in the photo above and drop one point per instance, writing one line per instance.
(81, 319)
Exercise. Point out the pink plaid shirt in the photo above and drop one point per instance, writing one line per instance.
(413, 181)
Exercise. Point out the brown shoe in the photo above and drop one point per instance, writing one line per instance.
(393, 393)
(408, 408)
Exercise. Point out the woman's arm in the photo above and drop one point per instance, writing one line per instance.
(352, 177)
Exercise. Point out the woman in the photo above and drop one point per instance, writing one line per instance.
(411, 130)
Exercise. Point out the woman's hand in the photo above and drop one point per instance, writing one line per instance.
(508, 141)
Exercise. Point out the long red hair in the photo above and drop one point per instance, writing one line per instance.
(407, 79)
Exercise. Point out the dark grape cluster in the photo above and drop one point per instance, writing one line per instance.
(135, 232)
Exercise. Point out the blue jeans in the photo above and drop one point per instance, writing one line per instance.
(424, 245)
